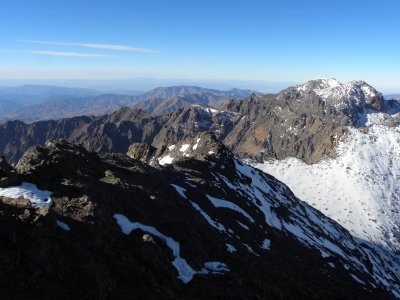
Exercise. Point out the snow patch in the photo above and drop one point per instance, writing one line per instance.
(180, 190)
(250, 250)
(244, 226)
(63, 226)
(166, 160)
(208, 110)
(216, 267)
(226, 204)
(184, 147)
(210, 221)
(266, 244)
(197, 144)
(29, 192)
(230, 248)
(185, 271)
(324, 254)
(357, 279)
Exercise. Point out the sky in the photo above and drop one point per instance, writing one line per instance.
(291, 41)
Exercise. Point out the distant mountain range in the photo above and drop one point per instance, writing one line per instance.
(57, 107)
(14, 98)
(32, 94)
(167, 92)
(170, 104)
(56, 103)
(143, 84)
(8, 105)
(392, 96)
(163, 100)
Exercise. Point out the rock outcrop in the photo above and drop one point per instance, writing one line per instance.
(7, 174)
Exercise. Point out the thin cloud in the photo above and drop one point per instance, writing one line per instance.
(95, 46)
(73, 54)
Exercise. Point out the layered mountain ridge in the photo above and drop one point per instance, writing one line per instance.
(74, 102)
(296, 122)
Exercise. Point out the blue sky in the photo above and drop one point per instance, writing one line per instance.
(247, 40)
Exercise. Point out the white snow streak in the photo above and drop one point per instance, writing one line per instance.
(29, 192)
(185, 271)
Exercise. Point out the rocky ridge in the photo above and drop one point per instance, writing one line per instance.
(204, 226)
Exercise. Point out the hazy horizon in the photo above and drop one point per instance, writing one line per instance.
(143, 84)
(244, 41)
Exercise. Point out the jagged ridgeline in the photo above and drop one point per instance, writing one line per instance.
(305, 121)
(199, 224)
(155, 201)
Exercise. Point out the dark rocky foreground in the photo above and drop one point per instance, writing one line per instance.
(217, 209)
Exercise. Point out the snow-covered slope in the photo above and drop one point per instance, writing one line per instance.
(281, 211)
(359, 189)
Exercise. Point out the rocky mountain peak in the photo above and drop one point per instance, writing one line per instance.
(360, 92)
(63, 156)
(354, 94)
(372, 98)
(7, 174)
(203, 147)
(142, 151)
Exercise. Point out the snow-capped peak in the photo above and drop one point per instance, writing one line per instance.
(323, 85)
(319, 83)
(345, 97)
(330, 82)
